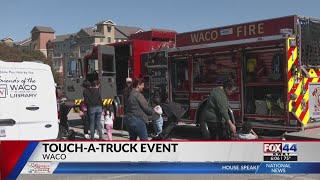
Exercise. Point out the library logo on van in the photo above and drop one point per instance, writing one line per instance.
(17, 86)
(3, 90)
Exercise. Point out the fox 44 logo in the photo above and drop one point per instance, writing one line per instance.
(280, 151)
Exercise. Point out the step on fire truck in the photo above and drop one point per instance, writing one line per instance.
(274, 63)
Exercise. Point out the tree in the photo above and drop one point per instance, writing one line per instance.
(15, 54)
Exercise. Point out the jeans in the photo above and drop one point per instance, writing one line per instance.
(137, 128)
(157, 124)
(95, 117)
(86, 123)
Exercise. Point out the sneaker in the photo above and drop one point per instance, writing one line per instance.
(87, 136)
(96, 136)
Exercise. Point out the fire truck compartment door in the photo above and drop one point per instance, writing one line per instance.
(314, 101)
(108, 77)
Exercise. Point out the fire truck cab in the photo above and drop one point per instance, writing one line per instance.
(273, 63)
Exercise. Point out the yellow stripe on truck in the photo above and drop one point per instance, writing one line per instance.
(107, 102)
(77, 101)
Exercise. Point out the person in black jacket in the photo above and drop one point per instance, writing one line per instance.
(92, 97)
(137, 112)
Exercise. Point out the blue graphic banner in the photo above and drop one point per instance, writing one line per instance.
(189, 168)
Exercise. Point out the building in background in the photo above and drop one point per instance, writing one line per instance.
(40, 35)
(7, 41)
(77, 45)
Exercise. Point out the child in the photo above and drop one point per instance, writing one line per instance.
(158, 122)
(108, 123)
(85, 119)
(247, 132)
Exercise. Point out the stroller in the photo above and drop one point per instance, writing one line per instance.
(64, 130)
(174, 112)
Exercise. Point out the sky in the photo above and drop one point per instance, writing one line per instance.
(18, 17)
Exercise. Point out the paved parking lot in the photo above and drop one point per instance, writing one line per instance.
(182, 132)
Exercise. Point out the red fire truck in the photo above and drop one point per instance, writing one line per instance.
(127, 54)
(112, 64)
(274, 64)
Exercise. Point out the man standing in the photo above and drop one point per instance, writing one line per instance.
(216, 112)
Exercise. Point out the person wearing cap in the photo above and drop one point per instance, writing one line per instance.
(215, 112)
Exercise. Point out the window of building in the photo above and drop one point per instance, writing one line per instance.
(109, 39)
(101, 39)
(109, 28)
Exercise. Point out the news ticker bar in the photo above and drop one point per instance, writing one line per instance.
(102, 151)
(167, 168)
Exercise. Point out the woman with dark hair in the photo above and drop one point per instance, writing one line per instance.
(137, 112)
(92, 97)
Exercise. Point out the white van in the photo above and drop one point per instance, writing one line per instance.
(28, 107)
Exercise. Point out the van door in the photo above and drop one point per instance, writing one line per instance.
(38, 113)
(9, 129)
(108, 73)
